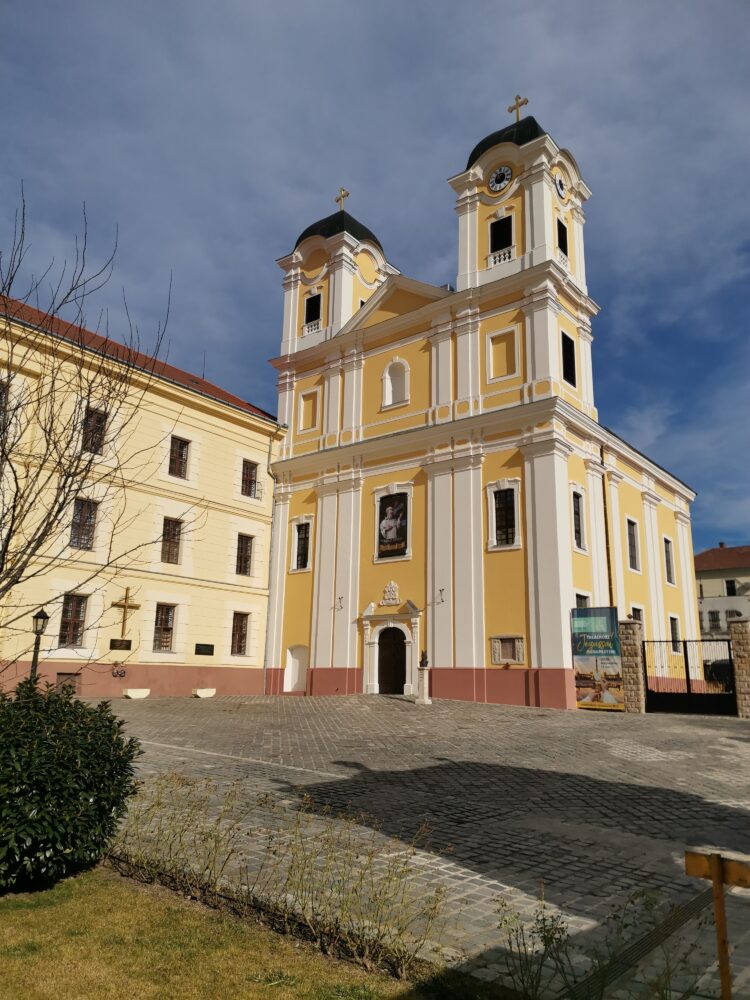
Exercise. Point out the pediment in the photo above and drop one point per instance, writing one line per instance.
(397, 296)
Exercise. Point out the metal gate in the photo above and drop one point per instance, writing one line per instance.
(691, 675)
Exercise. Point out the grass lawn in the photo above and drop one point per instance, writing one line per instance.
(99, 935)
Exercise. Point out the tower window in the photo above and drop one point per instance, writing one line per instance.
(568, 359)
(562, 237)
(501, 234)
(312, 308)
(302, 554)
(578, 519)
(668, 560)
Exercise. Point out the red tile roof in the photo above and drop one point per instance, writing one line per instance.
(27, 315)
(724, 557)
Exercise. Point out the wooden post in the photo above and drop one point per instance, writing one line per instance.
(716, 866)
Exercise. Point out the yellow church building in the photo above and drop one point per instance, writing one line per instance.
(444, 484)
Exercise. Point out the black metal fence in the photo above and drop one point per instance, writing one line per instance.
(690, 675)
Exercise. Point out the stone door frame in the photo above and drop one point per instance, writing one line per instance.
(372, 625)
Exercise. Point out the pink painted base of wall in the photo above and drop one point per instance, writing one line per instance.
(550, 687)
(163, 680)
(320, 681)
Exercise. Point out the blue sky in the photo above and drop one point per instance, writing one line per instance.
(212, 134)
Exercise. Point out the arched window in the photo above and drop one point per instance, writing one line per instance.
(396, 383)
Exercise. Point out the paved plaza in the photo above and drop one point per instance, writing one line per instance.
(592, 805)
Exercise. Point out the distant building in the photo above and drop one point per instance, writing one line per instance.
(723, 576)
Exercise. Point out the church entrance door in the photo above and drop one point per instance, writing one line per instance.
(391, 661)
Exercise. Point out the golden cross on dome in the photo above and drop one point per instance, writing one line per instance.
(126, 606)
(342, 196)
(517, 105)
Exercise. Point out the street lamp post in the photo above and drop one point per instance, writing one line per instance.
(40, 620)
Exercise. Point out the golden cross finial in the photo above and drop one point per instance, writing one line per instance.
(342, 195)
(517, 105)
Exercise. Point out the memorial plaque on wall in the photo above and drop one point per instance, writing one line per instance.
(204, 649)
(392, 525)
(120, 643)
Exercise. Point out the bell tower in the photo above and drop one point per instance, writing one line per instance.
(519, 202)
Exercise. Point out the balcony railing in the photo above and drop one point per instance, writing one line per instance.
(313, 327)
(501, 256)
(563, 258)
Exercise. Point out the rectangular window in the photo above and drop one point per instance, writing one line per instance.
(578, 519)
(72, 620)
(582, 601)
(503, 354)
(501, 234)
(164, 628)
(714, 621)
(668, 560)
(312, 309)
(84, 522)
(170, 540)
(303, 545)
(562, 237)
(637, 614)
(243, 565)
(179, 449)
(505, 517)
(674, 632)
(634, 558)
(239, 633)
(94, 427)
(731, 588)
(249, 478)
(568, 359)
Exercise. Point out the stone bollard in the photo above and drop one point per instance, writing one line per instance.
(739, 633)
(633, 682)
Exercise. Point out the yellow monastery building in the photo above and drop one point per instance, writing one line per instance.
(156, 577)
(444, 483)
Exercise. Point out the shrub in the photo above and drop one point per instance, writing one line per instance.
(66, 772)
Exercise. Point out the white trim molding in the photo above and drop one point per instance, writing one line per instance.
(387, 389)
(294, 523)
(515, 329)
(490, 490)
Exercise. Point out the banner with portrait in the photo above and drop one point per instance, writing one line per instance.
(596, 658)
(393, 516)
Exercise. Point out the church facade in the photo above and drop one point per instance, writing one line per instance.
(444, 484)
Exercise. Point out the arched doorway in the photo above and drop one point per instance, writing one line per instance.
(295, 673)
(391, 661)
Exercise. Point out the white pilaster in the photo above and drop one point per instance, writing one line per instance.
(440, 564)
(687, 577)
(597, 532)
(612, 481)
(273, 657)
(578, 222)
(467, 362)
(345, 609)
(343, 270)
(654, 563)
(549, 557)
(468, 569)
(441, 367)
(585, 340)
(332, 398)
(352, 409)
(466, 207)
(324, 579)
(291, 309)
(541, 309)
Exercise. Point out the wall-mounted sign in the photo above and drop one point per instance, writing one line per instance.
(596, 658)
(392, 525)
(120, 643)
(204, 649)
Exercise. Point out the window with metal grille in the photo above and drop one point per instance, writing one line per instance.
(94, 427)
(239, 633)
(249, 478)
(303, 545)
(568, 359)
(170, 540)
(578, 519)
(634, 559)
(674, 631)
(312, 308)
(582, 601)
(505, 517)
(501, 234)
(164, 628)
(668, 560)
(179, 449)
(636, 614)
(244, 555)
(731, 588)
(562, 237)
(83, 524)
(72, 620)
(714, 621)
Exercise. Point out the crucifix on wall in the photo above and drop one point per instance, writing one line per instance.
(126, 606)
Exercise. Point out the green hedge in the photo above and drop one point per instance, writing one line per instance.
(66, 773)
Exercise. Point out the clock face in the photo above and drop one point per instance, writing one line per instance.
(560, 185)
(500, 179)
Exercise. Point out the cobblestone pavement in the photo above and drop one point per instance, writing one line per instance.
(594, 806)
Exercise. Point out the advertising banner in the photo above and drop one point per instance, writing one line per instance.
(392, 526)
(596, 658)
